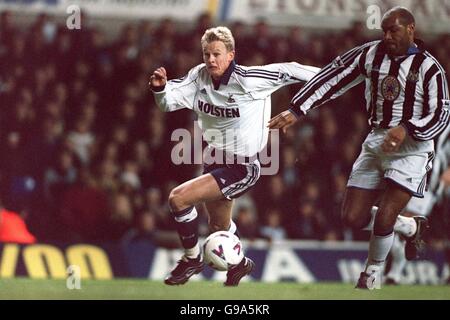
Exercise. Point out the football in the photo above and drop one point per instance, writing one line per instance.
(222, 250)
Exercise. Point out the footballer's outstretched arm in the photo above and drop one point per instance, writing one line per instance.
(177, 93)
(264, 80)
(336, 78)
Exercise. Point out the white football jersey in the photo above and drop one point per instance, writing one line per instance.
(234, 113)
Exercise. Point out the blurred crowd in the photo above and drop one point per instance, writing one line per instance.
(85, 153)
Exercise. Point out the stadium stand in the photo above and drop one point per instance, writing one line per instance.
(86, 154)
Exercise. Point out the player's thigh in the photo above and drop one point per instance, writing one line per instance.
(357, 206)
(364, 184)
(219, 214)
(201, 189)
(366, 172)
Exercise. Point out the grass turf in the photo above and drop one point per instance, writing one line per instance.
(135, 289)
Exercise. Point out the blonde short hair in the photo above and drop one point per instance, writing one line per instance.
(219, 34)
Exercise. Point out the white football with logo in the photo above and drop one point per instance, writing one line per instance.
(222, 250)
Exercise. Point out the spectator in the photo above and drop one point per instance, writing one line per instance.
(145, 229)
(60, 175)
(82, 138)
(64, 93)
(85, 210)
(246, 223)
(308, 223)
(272, 229)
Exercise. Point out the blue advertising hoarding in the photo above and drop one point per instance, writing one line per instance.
(302, 262)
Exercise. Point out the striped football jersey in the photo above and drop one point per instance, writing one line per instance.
(410, 90)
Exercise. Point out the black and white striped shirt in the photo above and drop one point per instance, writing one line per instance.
(410, 90)
(440, 163)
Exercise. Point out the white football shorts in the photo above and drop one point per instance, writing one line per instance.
(408, 167)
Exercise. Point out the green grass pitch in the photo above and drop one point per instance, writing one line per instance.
(24, 288)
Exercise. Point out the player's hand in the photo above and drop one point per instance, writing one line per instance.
(158, 78)
(282, 121)
(394, 139)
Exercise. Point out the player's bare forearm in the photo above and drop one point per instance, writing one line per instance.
(282, 121)
(394, 139)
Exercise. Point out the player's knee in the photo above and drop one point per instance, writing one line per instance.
(383, 228)
(384, 222)
(352, 219)
(176, 199)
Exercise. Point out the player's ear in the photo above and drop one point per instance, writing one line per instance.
(411, 28)
(230, 55)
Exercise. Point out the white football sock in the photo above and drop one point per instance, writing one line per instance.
(398, 259)
(373, 212)
(405, 226)
(232, 227)
(379, 248)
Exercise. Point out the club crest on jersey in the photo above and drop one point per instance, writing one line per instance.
(412, 76)
(284, 76)
(390, 88)
(446, 103)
